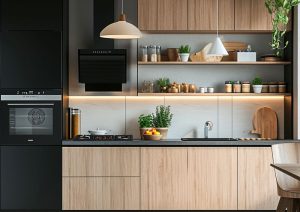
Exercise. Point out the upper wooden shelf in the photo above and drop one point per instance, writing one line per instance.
(216, 63)
(214, 94)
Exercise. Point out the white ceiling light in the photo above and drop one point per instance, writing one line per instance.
(121, 29)
(218, 48)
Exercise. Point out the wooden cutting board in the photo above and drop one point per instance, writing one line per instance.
(235, 46)
(265, 123)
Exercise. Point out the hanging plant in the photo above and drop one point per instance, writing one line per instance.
(280, 9)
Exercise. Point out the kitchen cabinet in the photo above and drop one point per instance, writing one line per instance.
(212, 178)
(202, 15)
(147, 10)
(252, 15)
(164, 184)
(101, 193)
(32, 14)
(257, 188)
(172, 15)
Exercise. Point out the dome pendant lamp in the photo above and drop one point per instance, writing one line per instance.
(217, 48)
(121, 29)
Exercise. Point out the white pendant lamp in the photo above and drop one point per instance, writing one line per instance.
(121, 29)
(217, 49)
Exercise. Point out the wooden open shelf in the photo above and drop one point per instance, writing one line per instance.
(213, 94)
(215, 63)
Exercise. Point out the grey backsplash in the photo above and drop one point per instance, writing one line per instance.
(232, 116)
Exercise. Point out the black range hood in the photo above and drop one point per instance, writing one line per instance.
(102, 69)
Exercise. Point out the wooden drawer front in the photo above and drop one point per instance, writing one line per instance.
(98, 161)
(101, 193)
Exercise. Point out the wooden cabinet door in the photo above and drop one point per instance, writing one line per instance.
(164, 179)
(260, 17)
(172, 15)
(226, 14)
(212, 178)
(257, 188)
(101, 193)
(147, 14)
(243, 14)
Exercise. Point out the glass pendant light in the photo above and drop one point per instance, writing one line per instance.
(121, 29)
(217, 48)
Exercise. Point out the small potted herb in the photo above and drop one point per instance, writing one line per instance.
(162, 119)
(257, 85)
(184, 53)
(163, 84)
(145, 123)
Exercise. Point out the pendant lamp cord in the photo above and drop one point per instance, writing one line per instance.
(122, 7)
(217, 18)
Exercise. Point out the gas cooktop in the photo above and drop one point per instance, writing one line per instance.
(103, 138)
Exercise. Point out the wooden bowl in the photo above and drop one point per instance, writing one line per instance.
(152, 137)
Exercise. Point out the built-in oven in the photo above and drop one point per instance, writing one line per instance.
(31, 117)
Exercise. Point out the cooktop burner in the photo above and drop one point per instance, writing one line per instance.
(103, 138)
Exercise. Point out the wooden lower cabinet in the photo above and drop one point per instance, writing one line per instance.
(257, 188)
(164, 179)
(101, 193)
(212, 178)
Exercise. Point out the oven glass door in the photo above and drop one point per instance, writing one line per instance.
(31, 123)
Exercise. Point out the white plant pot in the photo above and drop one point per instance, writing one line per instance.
(257, 88)
(184, 57)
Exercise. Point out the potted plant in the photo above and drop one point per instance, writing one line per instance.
(163, 84)
(280, 10)
(184, 53)
(257, 84)
(162, 119)
(145, 123)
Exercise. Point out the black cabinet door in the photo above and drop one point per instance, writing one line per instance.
(31, 178)
(31, 59)
(32, 14)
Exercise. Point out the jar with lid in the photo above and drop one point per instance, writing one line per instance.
(237, 87)
(265, 87)
(185, 88)
(228, 87)
(273, 87)
(76, 122)
(158, 53)
(281, 87)
(144, 53)
(246, 87)
(192, 88)
(148, 87)
(152, 53)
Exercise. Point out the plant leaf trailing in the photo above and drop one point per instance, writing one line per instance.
(145, 121)
(184, 49)
(257, 81)
(280, 10)
(162, 117)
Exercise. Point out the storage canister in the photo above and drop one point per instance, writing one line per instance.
(273, 87)
(152, 53)
(228, 87)
(246, 87)
(185, 88)
(265, 87)
(76, 122)
(281, 87)
(144, 53)
(237, 87)
(158, 53)
(192, 88)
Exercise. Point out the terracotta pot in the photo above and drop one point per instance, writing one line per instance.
(163, 132)
(142, 131)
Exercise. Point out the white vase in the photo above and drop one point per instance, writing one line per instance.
(184, 57)
(257, 88)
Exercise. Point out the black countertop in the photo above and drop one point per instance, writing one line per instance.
(174, 143)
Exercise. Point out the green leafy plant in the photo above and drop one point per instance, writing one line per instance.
(162, 117)
(145, 121)
(163, 82)
(280, 10)
(185, 49)
(257, 81)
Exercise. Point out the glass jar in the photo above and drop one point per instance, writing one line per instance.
(158, 53)
(152, 53)
(246, 87)
(192, 88)
(281, 87)
(265, 87)
(237, 87)
(148, 87)
(144, 53)
(76, 122)
(185, 88)
(228, 87)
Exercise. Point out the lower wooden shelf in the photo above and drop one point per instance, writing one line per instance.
(214, 94)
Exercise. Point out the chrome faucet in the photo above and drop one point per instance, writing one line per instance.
(207, 127)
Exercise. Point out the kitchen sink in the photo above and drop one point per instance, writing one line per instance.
(209, 139)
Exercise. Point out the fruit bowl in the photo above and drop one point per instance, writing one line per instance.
(152, 137)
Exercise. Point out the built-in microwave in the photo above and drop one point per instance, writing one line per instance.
(31, 117)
